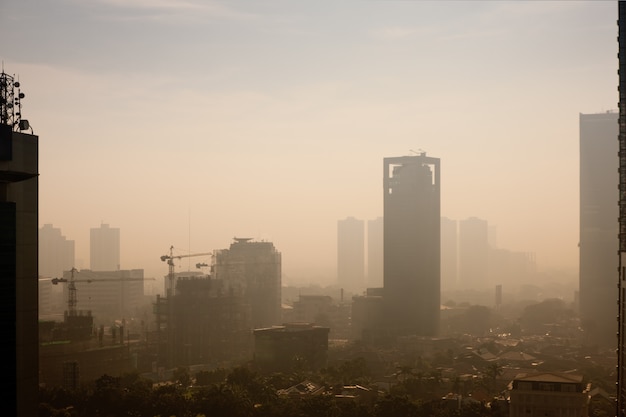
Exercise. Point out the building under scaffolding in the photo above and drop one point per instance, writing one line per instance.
(202, 322)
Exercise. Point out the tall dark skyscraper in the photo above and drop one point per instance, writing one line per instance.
(351, 254)
(19, 212)
(412, 244)
(598, 226)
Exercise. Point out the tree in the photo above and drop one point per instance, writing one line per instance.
(182, 376)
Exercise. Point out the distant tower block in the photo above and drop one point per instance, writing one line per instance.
(104, 249)
(498, 296)
(351, 254)
(411, 186)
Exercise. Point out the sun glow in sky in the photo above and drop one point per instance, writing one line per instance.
(187, 123)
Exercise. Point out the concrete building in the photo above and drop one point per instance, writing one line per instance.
(598, 244)
(473, 254)
(367, 315)
(351, 254)
(285, 348)
(254, 269)
(449, 253)
(548, 394)
(375, 252)
(19, 211)
(56, 252)
(104, 248)
(108, 295)
(412, 244)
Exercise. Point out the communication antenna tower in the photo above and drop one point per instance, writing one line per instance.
(11, 103)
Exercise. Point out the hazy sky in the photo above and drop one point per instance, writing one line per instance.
(187, 123)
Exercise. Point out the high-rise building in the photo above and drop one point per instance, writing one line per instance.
(56, 252)
(254, 270)
(351, 254)
(473, 254)
(104, 249)
(19, 212)
(449, 250)
(375, 253)
(412, 244)
(598, 227)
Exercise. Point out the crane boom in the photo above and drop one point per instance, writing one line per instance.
(72, 298)
(170, 262)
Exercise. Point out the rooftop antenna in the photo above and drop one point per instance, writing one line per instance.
(419, 152)
(11, 103)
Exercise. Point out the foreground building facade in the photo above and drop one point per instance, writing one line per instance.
(598, 228)
(19, 212)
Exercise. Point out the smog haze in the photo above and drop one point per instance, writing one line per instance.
(188, 123)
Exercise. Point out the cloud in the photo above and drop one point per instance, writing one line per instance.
(161, 9)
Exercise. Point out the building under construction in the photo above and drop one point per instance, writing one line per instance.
(201, 322)
(254, 268)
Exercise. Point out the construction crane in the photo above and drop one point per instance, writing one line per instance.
(72, 298)
(170, 262)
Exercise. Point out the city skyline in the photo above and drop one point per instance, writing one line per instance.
(186, 124)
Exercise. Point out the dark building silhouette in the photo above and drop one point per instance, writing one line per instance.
(291, 346)
(598, 227)
(621, 330)
(254, 270)
(351, 254)
(412, 244)
(19, 211)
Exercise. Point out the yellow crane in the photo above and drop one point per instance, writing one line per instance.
(170, 262)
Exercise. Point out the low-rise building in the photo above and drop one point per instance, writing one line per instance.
(281, 348)
(549, 394)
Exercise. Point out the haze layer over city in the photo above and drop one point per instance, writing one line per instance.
(186, 124)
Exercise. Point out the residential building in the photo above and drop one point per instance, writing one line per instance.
(412, 244)
(351, 254)
(598, 244)
(104, 249)
(254, 269)
(548, 394)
